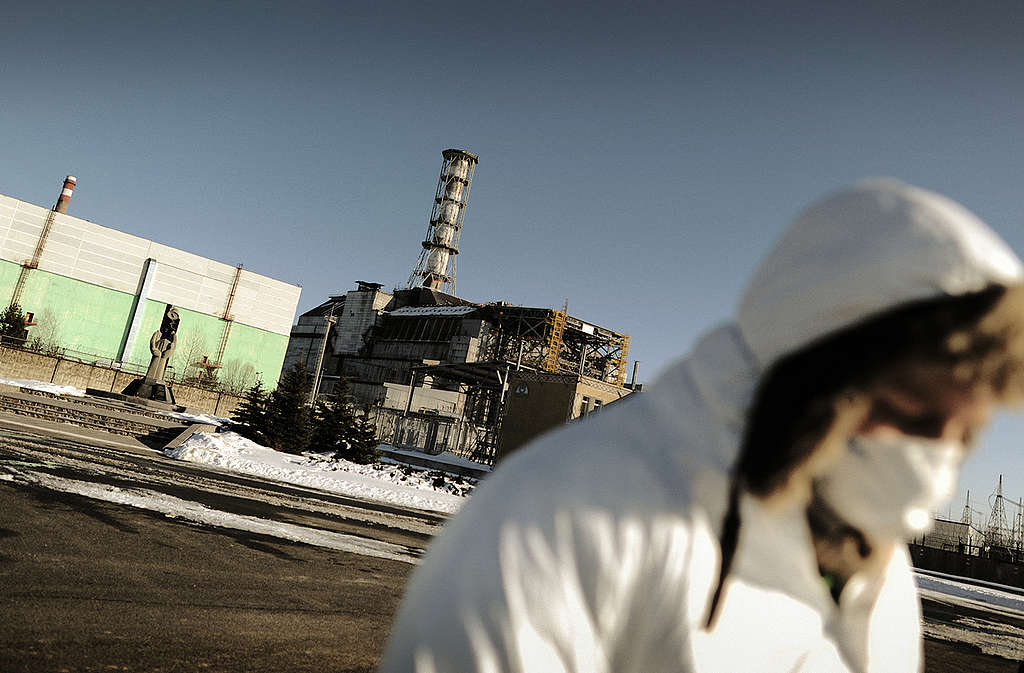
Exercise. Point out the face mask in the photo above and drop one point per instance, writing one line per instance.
(888, 487)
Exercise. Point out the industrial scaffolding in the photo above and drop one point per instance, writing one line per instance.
(553, 341)
(519, 337)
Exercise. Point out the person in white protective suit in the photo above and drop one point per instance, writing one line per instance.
(747, 514)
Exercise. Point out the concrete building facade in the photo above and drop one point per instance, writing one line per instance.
(98, 294)
(540, 401)
(437, 369)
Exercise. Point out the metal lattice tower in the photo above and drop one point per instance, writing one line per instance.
(996, 533)
(435, 268)
(966, 517)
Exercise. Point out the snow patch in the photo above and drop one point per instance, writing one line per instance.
(45, 387)
(447, 458)
(175, 508)
(398, 485)
(209, 419)
(945, 589)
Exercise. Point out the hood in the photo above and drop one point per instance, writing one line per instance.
(851, 256)
(861, 252)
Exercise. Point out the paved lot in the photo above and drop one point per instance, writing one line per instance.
(91, 586)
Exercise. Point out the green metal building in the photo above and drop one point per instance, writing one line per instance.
(99, 294)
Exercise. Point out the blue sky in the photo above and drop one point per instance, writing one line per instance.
(637, 160)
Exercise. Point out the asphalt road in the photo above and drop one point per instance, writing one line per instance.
(91, 586)
(94, 586)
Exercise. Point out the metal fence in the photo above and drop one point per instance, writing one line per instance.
(171, 374)
(86, 358)
(434, 434)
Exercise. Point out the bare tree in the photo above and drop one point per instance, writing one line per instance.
(191, 349)
(237, 376)
(47, 334)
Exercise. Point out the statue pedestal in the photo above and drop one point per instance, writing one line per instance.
(134, 401)
(149, 389)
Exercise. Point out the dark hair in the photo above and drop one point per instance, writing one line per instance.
(795, 403)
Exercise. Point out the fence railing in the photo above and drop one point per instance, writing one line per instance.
(83, 357)
(434, 434)
(171, 375)
(1011, 554)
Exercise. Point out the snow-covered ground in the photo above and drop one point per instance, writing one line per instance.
(209, 419)
(950, 587)
(388, 481)
(382, 482)
(44, 386)
(446, 458)
(32, 384)
(999, 635)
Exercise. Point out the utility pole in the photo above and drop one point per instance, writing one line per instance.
(329, 320)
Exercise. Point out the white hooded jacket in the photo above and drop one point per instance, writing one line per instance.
(595, 550)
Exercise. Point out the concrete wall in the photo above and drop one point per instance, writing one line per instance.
(114, 260)
(592, 395)
(85, 288)
(70, 313)
(305, 343)
(200, 334)
(19, 364)
(946, 534)
(463, 349)
(93, 320)
(377, 370)
(538, 401)
(361, 310)
(535, 403)
(411, 350)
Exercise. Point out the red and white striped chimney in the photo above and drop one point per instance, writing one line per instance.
(65, 194)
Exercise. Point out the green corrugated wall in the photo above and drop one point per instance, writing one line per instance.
(8, 278)
(95, 320)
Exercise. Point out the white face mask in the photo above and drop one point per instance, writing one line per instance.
(889, 487)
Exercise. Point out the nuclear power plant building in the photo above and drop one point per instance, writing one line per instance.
(97, 294)
(441, 373)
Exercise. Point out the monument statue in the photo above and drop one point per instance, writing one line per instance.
(152, 386)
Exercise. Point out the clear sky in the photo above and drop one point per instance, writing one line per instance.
(635, 159)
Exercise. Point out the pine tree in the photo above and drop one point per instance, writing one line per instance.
(288, 413)
(251, 414)
(333, 421)
(363, 442)
(12, 325)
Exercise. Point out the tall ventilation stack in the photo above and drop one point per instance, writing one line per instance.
(65, 194)
(435, 268)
